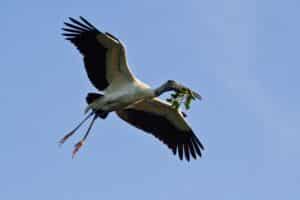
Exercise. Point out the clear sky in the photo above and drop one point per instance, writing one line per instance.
(242, 57)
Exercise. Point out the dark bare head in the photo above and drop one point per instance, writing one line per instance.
(172, 85)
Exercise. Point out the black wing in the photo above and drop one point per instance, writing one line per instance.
(180, 140)
(84, 36)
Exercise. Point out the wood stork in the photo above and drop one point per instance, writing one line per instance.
(134, 101)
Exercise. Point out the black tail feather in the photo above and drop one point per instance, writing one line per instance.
(92, 97)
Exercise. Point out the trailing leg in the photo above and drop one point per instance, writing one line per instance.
(79, 144)
(75, 129)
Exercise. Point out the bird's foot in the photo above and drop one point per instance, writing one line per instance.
(62, 140)
(77, 147)
(81, 142)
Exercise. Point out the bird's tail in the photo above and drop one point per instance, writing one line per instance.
(92, 97)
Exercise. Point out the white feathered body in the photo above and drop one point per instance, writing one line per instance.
(121, 94)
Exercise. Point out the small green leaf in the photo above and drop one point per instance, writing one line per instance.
(175, 104)
(184, 96)
(181, 94)
(187, 102)
(187, 106)
(175, 95)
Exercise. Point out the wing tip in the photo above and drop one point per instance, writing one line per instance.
(191, 149)
(79, 25)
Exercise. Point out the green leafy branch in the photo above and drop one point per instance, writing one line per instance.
(184, 96)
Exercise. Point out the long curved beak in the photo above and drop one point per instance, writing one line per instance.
(197, 95)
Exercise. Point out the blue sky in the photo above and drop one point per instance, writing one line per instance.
(241, 56)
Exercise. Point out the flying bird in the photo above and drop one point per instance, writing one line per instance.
(135, 102)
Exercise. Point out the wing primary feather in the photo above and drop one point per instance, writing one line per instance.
(75, 27)
(71, 30)
(173, 147)
(196, 147)
(80, 24)
(88, 23)
(192, 150)
(69, 34)
(174, 151)
(198, 142)
(187, 152)
(180, 151)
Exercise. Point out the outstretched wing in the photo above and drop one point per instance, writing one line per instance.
(104, 55)
(165, 123)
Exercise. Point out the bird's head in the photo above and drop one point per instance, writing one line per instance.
(177, 87)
